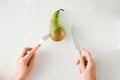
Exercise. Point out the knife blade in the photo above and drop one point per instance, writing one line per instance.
(75, 38)
(44, 38)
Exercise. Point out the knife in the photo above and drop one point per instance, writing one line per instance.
(44, 39)
(75, 38)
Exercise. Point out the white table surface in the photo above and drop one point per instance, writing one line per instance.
(24, 22)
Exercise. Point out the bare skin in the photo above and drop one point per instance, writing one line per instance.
(24, 63)
(87, 66)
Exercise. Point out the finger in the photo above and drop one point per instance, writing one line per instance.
(85, 58)
(80, 69)
(82, 64)
(25, 51)
(78, 61)
(35, 48)
(85, 61)
(88, 55)
(31, 62)
(32, 52)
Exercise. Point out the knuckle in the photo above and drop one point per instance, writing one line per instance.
(22, 60)
(92, 64)
(81, 57)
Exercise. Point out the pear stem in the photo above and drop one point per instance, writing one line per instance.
(61, 10)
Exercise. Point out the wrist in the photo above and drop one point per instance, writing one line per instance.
(92, 79)
(14, 77)
(89, 78)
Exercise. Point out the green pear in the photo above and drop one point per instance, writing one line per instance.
(56, 30)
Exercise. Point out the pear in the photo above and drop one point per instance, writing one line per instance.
(56, 30)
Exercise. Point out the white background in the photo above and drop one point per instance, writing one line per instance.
(24, 22)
